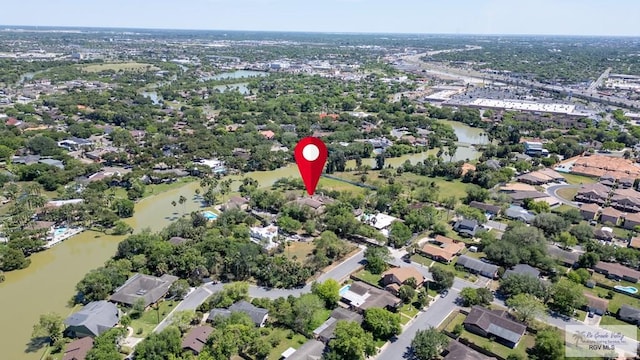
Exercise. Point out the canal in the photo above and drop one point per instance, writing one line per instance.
(49, 282)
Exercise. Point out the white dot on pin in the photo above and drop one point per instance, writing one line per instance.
(310, 152)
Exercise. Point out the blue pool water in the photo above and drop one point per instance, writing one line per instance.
(344, 289)
(210, 215)
(628, 289)
(59, 231)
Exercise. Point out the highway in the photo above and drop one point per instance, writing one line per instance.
(472, 76)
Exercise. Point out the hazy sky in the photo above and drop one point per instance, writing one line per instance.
(562, 17)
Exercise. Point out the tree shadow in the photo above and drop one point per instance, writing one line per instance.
(35, 344)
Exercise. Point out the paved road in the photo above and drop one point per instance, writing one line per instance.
(200, 294)
(553, 191)
(432, 317)
(594, 86)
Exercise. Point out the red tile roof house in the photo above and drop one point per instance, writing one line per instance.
(589, 211)
(196, 338)
(617, 271)
(268, 134)
(631, 221)
(610, 215)
(399, 276)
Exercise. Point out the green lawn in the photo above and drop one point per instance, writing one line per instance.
(336, 185)
(421, 259)
(526, 342)
(459, 273)
(409, 310)
(151, 318)
(368, 277)
(124, 66)
(458, 318)
(618, 298)
(160, 188)
(287, 338)
(567, 193)
(610, 320)
(574, 179)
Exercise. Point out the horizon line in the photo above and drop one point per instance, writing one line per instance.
(313, 32)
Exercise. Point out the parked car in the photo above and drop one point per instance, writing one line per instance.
(444, 293)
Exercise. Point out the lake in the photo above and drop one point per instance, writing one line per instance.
(49, 282)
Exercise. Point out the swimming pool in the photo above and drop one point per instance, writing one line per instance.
(345, 289)
(210, 215)
(59, 231)
(627, 289)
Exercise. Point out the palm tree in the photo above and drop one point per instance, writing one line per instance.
(182, 200)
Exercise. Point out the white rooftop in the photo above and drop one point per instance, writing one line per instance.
(355, 299)
(378, 221)
(525, 105)
(288, 352)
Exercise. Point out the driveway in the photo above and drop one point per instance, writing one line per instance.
(552, 190)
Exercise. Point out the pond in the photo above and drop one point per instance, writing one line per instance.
(239, 74)
(48, 283)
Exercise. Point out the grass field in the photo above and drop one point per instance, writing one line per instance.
(567, 193)
(300, 250)
(574, 179)
(447, 188)
(126, 66)
(368, 277)
(332, 184)
(149, 320)
(618, 299)
(287, 339)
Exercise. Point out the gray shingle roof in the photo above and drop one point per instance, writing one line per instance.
(311, 350)
(629, 312)
(97, 317)
(476, 265)
(522, 269)
(496, 323)
(256, 314)
(149, 288)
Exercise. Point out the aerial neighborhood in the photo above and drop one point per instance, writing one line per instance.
(469, 208)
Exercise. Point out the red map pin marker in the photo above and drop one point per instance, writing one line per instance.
(311, 155)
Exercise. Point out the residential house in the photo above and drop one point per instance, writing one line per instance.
(379, 221)
(629, 314)
(491, 210)
(217, 166)
(74, 144)
(595, 304)
(519, 213)
(495, 324)
(196, 339)
(516, 187)
(589, 211)
(608, 179)
(361, 296)
(522, 269)
(236, 203)
(617, 271)
(540, 177)
(325, 331)
(626, 182)
(626, 200)
(442, 249)
(466, 227)
(493, 164)
(398, 276)
(457, 351)
(258, 315)
(634, 243)
(566, 258)
(604, 234)
(78, 349)
(311, 350)
(265, 236)
(52, 162)
(316, 203)
(610, 215)
(146, 287)
(476, 266)
(268, 134)
(92, 320)
(631, 221)
(593, 193)
(519, 197)
(534, 148)
(25, 160)
(177, 240)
